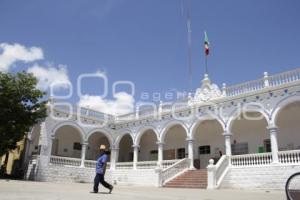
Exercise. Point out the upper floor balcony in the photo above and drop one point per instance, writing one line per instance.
(206, 95)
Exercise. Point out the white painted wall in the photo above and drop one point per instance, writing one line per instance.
(208, 133)
(267, 177)
(289, 127)
(86, 175)
(176, 138)
(147, 144)
(125, 149)
(66, 136)
(252, 131)
(94, 142)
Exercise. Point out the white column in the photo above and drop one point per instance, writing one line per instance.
(160, 154)
(135, 155)
(114, 158)
(51, 147)
(191, 152)
(227, 136)
(274, 144)
(83, 152)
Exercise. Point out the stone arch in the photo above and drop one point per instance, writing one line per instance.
(196, 123)
(72, 124)
(249, 135)
(170, 124)
(237, 113)
(146, 139)
(285, 116)
(67, 138)
(121, 135)
(125, 143)
(281, 104)
(94, 139)
(102, 131)
(208, 141)
(142, 130)
(174, 135)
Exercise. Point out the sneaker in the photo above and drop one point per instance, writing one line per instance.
(95, 192)
(111, 189)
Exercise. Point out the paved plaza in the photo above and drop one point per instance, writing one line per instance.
(12, 190)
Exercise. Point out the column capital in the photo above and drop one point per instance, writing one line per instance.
(190, 139)
(272, 127)
(135, 146)
(85, 144)
(52, 137)
(115, 149)
(227, 134)
(160, 143)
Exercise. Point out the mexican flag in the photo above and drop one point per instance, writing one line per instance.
(206, 44)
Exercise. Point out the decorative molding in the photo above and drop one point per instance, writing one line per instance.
(207, 92)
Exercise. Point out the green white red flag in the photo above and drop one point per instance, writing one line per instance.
(206, 44)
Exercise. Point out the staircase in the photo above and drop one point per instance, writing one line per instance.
(189, 179)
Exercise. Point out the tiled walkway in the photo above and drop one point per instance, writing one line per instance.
(13, 190)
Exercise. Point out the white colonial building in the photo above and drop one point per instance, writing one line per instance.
(241, 136)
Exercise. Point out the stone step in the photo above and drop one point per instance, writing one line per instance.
(193, 176)
(189, 179)
(186, 186)
(186, 182)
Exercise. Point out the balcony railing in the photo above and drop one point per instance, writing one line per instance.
(285, 77)
(285, 157)
(65, 161)
(81, 111)
(243, 88)
(90, 163)
(231, 91)
(251, 159)
(173, 170)
(146, 164)
(124, 165)
(168, 163)
(289, 157)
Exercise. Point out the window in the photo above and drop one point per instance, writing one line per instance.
(130, 156)
(154, 152)
(267, 145)
(239, 148)
(76, 146)
(204, 149)
(181, 153)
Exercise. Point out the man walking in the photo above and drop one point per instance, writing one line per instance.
(100, 170)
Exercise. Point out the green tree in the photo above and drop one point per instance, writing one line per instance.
(21, 106)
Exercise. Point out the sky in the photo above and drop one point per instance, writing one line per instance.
(145, 42)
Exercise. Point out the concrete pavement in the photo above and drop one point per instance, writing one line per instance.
(25, 190)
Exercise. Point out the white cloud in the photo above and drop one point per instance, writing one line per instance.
(50, 76)
(11, 53)
(122, 104)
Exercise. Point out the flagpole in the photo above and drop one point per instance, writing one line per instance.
(206, 69)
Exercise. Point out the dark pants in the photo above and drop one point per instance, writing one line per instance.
(99, 178)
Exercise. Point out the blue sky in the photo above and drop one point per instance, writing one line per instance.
(145, 41)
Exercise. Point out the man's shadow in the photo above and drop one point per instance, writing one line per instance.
(100, 193)
(104, 193)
